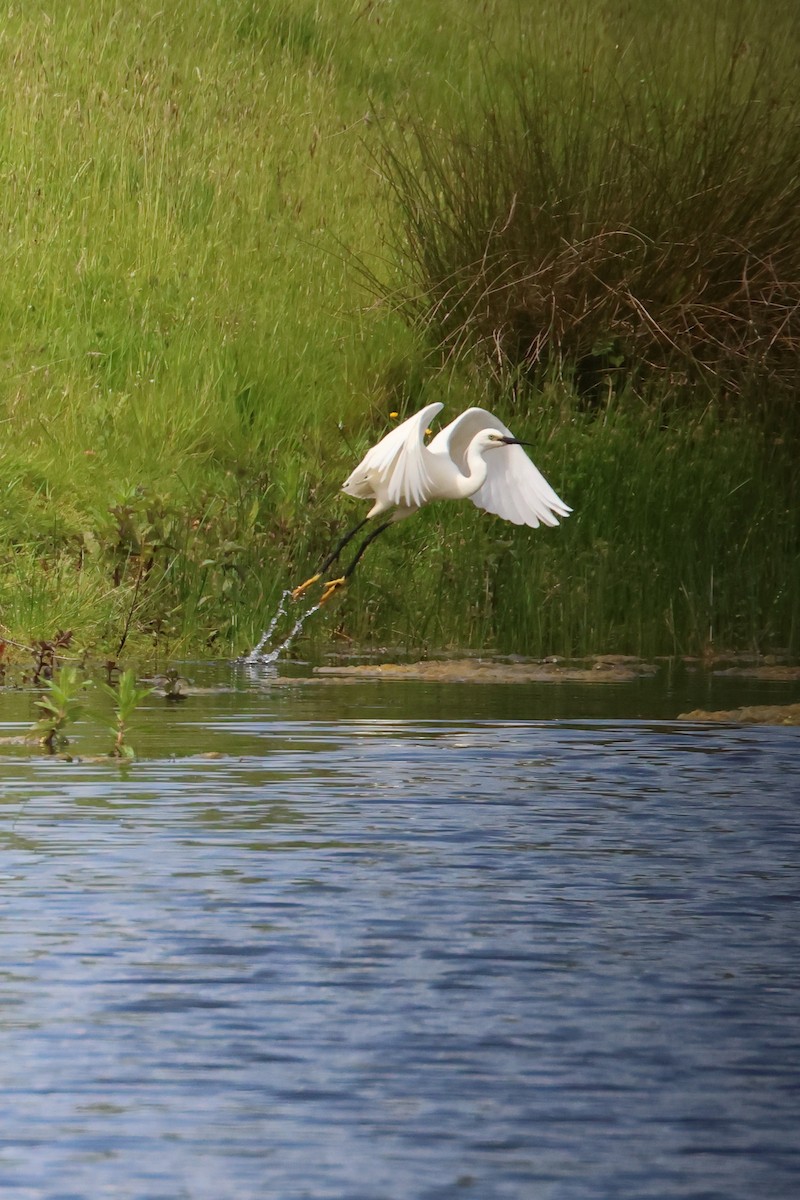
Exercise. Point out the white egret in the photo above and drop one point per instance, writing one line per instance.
(475, 457)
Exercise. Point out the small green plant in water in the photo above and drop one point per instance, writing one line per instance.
(126, 696)
(59, 706)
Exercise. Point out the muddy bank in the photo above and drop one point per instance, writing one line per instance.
(615, 669)
(754, 714)
(769, 673)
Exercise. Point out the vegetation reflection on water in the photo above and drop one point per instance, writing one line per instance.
(404, 940)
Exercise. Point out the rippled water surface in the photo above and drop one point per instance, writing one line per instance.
(404, 942)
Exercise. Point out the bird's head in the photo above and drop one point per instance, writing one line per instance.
(492, 439)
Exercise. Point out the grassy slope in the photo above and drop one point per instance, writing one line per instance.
(188, 368)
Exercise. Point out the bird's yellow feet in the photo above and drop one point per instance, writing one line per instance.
(298, 591)
(332, 587)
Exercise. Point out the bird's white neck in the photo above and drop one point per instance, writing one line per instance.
(477, 470)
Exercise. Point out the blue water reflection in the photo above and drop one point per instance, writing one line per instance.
(376, 957)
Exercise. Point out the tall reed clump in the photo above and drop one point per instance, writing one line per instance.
(625, 204)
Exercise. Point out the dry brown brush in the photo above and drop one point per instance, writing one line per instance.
(616, 224)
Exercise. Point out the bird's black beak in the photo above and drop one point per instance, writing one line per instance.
(509, 441)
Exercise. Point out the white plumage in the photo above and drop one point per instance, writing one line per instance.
(475, 457)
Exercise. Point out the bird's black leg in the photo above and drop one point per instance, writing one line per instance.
(332, 557)
(331, 587)
(360, 552)
(348, 537)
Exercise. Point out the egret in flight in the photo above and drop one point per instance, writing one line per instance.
(475, 457)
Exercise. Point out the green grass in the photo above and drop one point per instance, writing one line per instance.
(190, 363)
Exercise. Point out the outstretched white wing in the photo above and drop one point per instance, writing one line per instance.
(397, 470)
(514, 489)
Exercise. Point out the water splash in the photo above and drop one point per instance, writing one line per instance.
(257, 657)
(275, 654)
